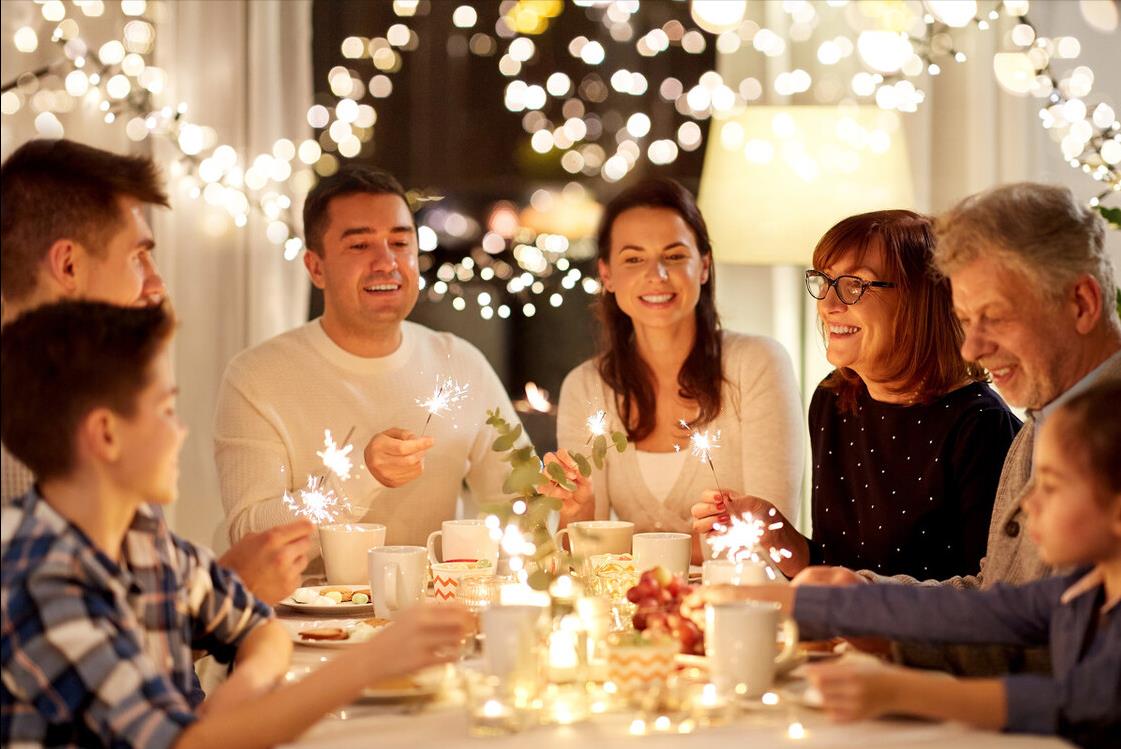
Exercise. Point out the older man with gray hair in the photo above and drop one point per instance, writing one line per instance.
(1034, 290)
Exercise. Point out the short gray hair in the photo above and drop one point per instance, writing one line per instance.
(1042, 230)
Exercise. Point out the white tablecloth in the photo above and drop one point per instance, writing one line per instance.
(443, 724)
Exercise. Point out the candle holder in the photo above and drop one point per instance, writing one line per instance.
(493, 705)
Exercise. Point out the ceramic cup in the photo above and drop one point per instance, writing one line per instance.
(590, 537)
(669, 550)
(740, 642)
(466, 540)
(345, 547)
(726, 571)
(398, 577)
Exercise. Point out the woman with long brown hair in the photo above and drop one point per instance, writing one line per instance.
(664, 360)
(908, 440)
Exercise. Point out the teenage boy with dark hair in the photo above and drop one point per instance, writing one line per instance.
(102, 606)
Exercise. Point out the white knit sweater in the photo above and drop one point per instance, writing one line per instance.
(762, 440)
(277, 398)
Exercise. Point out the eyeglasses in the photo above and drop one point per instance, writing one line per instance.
(849, 288)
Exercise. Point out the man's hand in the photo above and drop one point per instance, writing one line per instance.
(271, 563)
(396, 456)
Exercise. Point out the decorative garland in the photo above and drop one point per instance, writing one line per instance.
(534, 267)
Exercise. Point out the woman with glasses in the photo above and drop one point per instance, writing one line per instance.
(664, 360)
(908, 440)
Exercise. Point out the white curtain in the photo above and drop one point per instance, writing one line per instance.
(244, 68)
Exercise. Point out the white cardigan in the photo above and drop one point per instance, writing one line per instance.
(761, 449)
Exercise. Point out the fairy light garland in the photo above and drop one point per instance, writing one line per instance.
(527, 270)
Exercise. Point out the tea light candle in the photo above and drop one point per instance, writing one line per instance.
(493, 718)
(563, 658)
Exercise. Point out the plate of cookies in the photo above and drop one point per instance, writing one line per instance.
(334, 633)
(422, 685)
(330, 599)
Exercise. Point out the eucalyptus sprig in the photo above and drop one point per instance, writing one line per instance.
(527, 474)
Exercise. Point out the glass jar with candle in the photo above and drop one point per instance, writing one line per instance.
(492, 708)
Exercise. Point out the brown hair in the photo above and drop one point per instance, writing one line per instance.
(1091, 428)
(63, 360)
(1042, 230)
(352, 179)
(59, 189)
(926, 359)
(619, 363)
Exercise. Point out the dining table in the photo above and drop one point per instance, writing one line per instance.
(442, 721)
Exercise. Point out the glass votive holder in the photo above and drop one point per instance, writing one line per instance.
(482, 591)
(491, 705)
(707, 706)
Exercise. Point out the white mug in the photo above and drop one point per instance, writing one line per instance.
(446, 577)
(670, 550)
(740, 645)
(727, 571)
(398, 577)
(510, 640)
(345, 547)
(590, 537)
(466, 540)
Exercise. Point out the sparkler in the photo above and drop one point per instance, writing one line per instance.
(337, 459)
(597, 425)
(701, 445)
(317, 503)
(741, 540)
(447, 394)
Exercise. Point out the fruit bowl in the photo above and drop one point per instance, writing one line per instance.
(661, 610)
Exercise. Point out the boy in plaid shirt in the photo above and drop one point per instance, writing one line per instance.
(101, 604)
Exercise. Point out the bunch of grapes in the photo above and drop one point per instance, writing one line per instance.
(662, 610)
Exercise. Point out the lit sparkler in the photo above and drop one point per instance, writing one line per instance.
(447, 394)
(336, 459)
(316, 502)
(741, 540)
(597, 425)
(701, 445)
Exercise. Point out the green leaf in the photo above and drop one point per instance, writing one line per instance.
(599, 451)
(539, 580)
(551, 504)
(523, 479)
(556, 473)
(620, 440)
(1112, 215)
(506, 441)
(583, 464)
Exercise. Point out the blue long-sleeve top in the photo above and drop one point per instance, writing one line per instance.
(1080, 701)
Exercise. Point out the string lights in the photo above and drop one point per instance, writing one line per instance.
(598, 119)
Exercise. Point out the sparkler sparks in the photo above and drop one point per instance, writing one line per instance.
(597, 425)
(741, 541)
(701, 445)
(448, 393)
(316, 502)
(337, 459)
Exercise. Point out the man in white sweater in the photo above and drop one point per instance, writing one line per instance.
(361, 367)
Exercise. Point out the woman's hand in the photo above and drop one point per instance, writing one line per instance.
(579, 503)
(716, 508)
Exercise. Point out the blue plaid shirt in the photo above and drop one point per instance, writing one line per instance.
(96, 653)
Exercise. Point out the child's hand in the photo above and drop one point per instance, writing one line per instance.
(422, 636)
(858, 691)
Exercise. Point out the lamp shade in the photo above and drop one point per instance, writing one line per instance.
(777, 178)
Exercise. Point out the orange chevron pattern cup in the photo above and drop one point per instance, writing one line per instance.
(446, 577)
(634, 667)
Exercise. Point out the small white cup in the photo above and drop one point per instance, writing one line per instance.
(345, 547)
(511, 634)
(727, 571)
(740, 645)
(590, 537)
(446, 577)
(466, 540)
(398, 576)
(670, 550)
